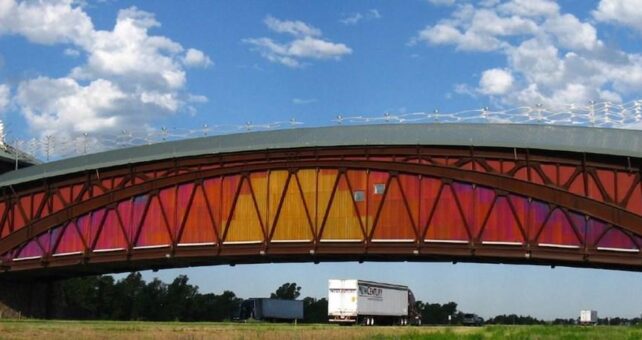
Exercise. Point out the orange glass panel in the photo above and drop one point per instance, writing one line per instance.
(326, 181)
(502, 225)
(394, 220)
(153, 230)
(213, 191)
(482, 203)
(308, 180)
(577, 186)
(410, 186)
(111, 236)
(634, 203)
(607, 179)
(625, 181)
(70, 241)
(198, 227)
(377, 181)
(446, 223)
(593, 190)
(292, 223)
(277, 181)
(430, 188)
(558, 230)
(342, 222)
(259, 183)
(244, 225)
(616, 238)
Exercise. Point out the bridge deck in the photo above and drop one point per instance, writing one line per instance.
(616, 142)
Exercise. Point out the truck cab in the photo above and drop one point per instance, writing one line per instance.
(472, 320)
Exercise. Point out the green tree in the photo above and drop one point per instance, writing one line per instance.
(315, 310)
(80, 297)
(180, 297)
(287, 291)
(437, 314)
(126, 294)
(152, 300)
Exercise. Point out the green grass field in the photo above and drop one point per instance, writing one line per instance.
(68, 330)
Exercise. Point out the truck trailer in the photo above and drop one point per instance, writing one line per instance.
(369, 303)
(270, 309)
(588, 317)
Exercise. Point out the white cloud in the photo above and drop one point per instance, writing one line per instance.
(571, 33)
(442, 2)
(309, 47)
(307, 44)
(129, 53)
(551, 57)
(5, 97)
(622, 12)
(295, 28)
(55, 105)
(473, 29)
(530, 8)
(130, 76)
(372, 14)
(495, 82)
(196, 58)
(71, 52)
(46, 22)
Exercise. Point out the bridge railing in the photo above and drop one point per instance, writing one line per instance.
(592, 114)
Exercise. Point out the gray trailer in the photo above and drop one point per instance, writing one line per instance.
(271, 309)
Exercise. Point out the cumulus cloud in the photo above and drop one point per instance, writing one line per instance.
(196, 58)
(622, 12)
(551, 57)
(495, 82)
(372, 14)
(476, 29)
(307, 43)
(46, 22)
(52, 105)
(129, 76)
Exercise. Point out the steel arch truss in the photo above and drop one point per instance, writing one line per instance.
(350, 203)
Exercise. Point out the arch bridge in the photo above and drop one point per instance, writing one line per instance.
(477, 193)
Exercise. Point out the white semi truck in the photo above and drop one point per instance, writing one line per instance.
(369, 303)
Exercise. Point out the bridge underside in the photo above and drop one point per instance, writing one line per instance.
(496, 205)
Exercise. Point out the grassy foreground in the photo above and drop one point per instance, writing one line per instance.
(50, 330)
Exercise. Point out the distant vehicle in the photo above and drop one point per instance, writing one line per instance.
(270, 309)
(472, 320)
(369, 303)
(588, 317)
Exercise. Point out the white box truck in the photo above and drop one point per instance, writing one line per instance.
(588, 317)
(369, 303)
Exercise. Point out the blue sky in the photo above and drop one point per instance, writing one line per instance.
(73, 67)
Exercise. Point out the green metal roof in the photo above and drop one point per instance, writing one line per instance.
(8, 154)
(562, 138)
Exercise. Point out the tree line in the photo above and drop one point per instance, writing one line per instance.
(132, 298)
